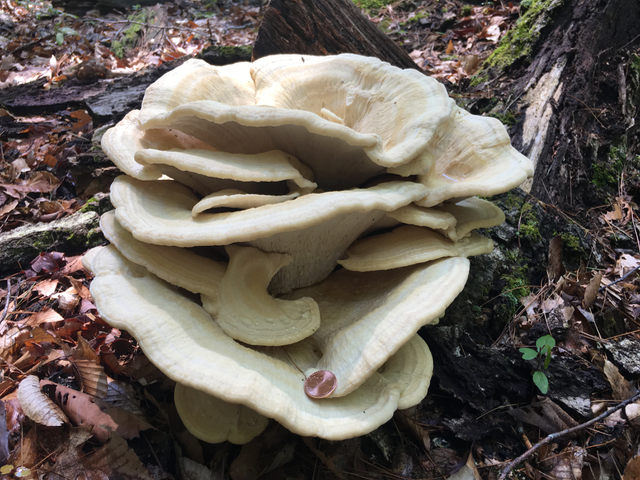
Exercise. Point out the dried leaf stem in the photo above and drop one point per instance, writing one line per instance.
(554, 436)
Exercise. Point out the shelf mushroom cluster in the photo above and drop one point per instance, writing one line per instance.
(290, 216)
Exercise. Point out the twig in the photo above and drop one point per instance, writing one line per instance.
(619, 280)
(555, 436)
(147, 25)
(7, 301)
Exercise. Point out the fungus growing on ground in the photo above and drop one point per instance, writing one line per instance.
(332, 203)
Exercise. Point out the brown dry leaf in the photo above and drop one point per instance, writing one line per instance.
(123, 395)
(40, 336)
(94, 380)
(14, 413)
(449, 49)
(468, 471)
(84, 351)
(113, 460)
(546, 415)
(47, 287)
(26, 451)
(632, 470)
(555, 268)
(67, 300)
(37, 406)
(551, 303)
(91, 413)
(73, 265)
(7, 207)
(615, 214)
(568, 464)
(622, 389)
(81, 289)
(46, 315)
(591, 292)
(625, 264)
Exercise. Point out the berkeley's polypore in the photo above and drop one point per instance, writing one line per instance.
(318, 185)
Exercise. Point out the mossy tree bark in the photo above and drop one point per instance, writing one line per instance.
(575, 87)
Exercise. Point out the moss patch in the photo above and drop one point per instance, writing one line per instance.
(519, 41)
(608, 173)
(372, 3)
(529, 224)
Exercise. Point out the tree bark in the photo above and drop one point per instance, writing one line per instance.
(579, 97)
(324, 27)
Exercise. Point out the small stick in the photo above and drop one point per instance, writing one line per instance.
(555, 436)
(7, 300)
(619, 280)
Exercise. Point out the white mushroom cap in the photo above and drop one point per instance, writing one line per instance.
(409, 245)
(215, 421)
(246, 312)
(454, 220)
(181, 339)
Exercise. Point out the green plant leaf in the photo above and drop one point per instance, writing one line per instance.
(545, 341)
(59, 38)
(541, 381)
(528, 353)
(547, 360)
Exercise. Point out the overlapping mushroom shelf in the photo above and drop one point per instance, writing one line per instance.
(321, 210)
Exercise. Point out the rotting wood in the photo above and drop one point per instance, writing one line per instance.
(324, 27)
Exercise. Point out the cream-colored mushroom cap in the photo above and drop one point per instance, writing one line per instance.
(409, 245)
(181, 339)
(216, 421)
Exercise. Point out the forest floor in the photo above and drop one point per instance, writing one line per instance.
(50, 329)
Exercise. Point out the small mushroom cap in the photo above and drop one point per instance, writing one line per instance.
(409, 245)
(246, 312)
(215, 421)
(238, 199)
(181, 339)
(454, 220)
(472, 213)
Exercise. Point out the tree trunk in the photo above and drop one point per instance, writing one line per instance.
(324, 27)
(579, 96)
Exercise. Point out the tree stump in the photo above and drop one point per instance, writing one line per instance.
(579, 97)
(324, 27)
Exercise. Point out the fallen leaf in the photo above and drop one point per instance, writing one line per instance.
(591, 292)
(449, 49)
(37, 406)
(555, 268)
(47, 287)
(46, 315)
(546, 415)
(95, 415)
(113, 460)
(622, 389)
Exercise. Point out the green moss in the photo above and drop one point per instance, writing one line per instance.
(478, 80)
(43, 242)
(129, 37)
(372, 3)
(228, 50)
(607, 174)
(466, 10)
(416, 18)
(508, 118)
(570, 241)
(518, 43)
(529, 224)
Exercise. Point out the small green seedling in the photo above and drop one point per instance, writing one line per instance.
(542, 353)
